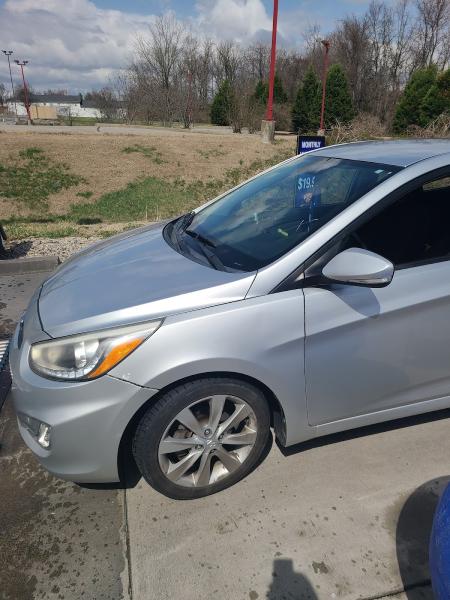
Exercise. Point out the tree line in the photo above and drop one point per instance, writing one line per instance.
(177, 76)
(390, 63)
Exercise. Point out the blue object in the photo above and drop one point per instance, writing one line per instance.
(306, 143)
(440, 548)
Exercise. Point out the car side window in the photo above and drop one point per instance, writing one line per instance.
(413, 230)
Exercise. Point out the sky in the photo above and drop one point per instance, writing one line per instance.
(78, 45)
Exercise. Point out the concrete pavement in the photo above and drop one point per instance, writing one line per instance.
(348, 517)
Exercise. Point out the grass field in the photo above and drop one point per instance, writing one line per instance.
(56, 185)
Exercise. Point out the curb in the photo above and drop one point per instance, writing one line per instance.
(33, 264)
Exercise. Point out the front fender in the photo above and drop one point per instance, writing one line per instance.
(261, 338)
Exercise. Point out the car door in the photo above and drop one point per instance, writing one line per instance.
(370, 350)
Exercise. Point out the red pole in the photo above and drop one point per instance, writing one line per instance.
(25, 89)
(326, 44)
(269, 113)
(27, 102)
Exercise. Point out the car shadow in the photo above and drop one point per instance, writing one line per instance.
(413, 537)
(286, 583)
(351, 434)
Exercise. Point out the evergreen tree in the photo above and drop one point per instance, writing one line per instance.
(262, 91)
(409, 108)
(338, 103)
(221, 104)
(306, 109)
(279, 95)
(437, 100)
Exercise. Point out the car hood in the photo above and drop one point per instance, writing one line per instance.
(130, 278)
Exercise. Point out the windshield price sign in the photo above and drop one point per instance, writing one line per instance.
(306, 143)
(306, 191)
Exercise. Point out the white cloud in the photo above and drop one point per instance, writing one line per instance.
(69, 43)
(75, 45)
(232, 19)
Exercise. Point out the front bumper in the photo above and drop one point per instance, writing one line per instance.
(87, 419)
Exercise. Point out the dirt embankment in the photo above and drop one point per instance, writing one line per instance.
(106, 165)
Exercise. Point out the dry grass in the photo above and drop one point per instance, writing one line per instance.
(100, 159)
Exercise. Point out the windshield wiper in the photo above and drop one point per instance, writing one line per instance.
(178, 228)
(204, 244)
(201, 238)
(183, 222)
(181, 227)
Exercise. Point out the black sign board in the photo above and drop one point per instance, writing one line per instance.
(306, 143)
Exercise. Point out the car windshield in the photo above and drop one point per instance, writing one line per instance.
(263, 219)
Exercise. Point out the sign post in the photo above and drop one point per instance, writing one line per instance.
(268, 124)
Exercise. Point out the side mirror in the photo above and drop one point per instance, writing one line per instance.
(359, 267)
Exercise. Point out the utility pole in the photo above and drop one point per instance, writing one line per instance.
(25, 89)
(8, 53)
(268, 125)
(326, 45)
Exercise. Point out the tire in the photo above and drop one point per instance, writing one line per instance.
(228, 423)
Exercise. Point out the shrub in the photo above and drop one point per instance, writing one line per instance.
(306, 109)
(221, 104)
(362, 127)
(262, 91)
(409, 108)
(339, 105)
(437, 100)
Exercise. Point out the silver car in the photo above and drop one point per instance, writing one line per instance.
(312, 299)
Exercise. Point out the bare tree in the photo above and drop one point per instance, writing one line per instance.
(401, 44)
(431, 32)
(204, 77)
(351, 48)
(257, 58)
(160, 56)
(228, 63)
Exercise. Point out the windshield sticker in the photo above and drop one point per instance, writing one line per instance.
(307, 187)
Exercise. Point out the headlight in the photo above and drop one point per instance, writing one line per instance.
(89, 355)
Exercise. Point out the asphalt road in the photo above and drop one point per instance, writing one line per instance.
(346, 517)
(117, 129)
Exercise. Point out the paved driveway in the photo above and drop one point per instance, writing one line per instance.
(346, 517)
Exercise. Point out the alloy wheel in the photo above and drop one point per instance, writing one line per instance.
(207, 441)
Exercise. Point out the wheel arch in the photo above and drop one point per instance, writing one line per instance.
(125, 462)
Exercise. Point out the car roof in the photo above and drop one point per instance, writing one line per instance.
(401, 153)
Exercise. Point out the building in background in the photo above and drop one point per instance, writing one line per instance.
(54, 106)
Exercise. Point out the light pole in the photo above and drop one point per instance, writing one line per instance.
(326, 45)
(25, 89)
(8, 53)
(268, 125)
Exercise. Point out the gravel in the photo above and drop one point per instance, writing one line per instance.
(61, 247)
